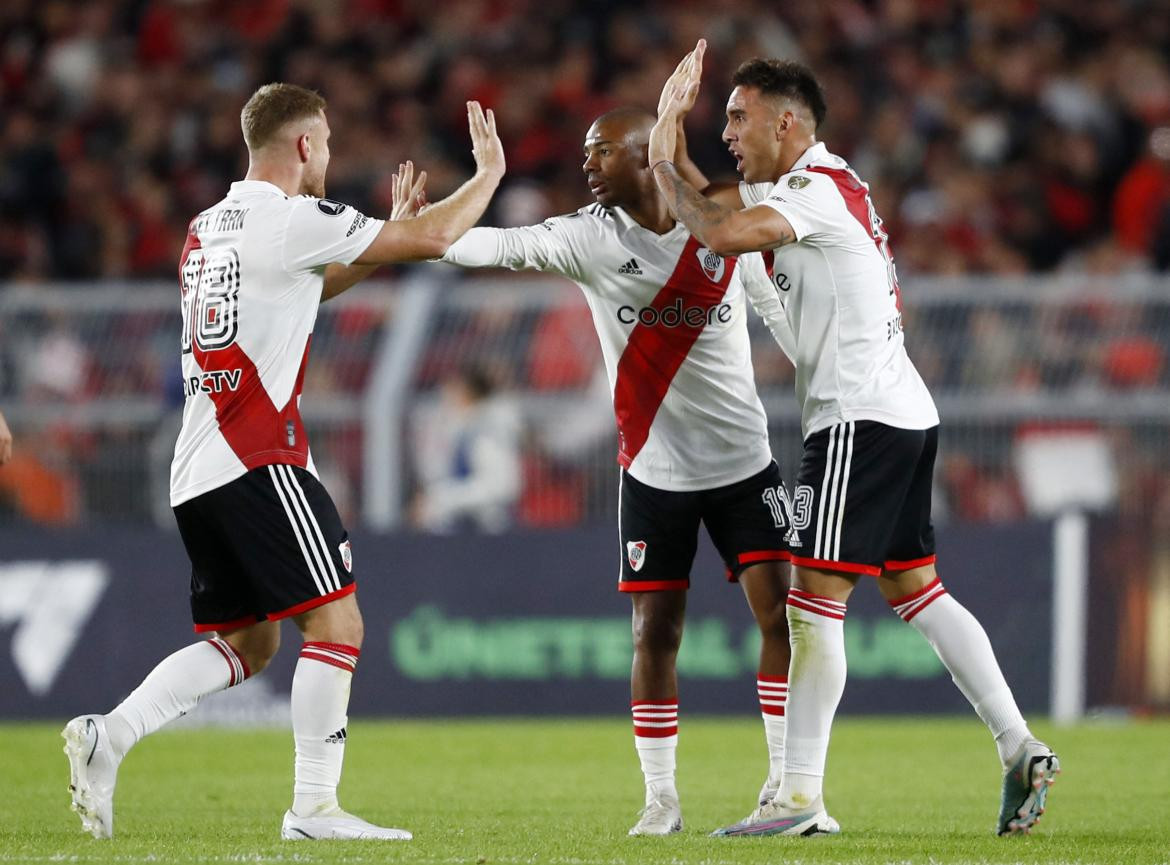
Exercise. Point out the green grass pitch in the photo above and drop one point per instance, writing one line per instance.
(905, 790)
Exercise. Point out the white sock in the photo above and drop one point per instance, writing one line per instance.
(320, 699)
(174, 688)
(656, 740)
(816, 680)
(773, 691)
(962, 645)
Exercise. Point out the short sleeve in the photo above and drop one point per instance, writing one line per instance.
(753, 193)
(812, 205)
(322, 231)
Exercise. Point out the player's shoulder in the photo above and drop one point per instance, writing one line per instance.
(591, 220)
(325, 207)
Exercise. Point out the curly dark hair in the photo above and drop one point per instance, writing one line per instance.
(785, 78)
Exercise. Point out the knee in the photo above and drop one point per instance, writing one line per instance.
(657, 633)
(773, 622)
(256, 646)
(343, 625)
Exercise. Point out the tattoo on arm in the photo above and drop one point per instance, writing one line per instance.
(697, 213)
(787, 236)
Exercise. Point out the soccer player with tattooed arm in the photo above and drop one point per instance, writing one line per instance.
(828, 290)
(264, 538)
(692, 435)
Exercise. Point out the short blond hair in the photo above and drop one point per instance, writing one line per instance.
(273, 106)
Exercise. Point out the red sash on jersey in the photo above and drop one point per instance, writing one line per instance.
(654, 353)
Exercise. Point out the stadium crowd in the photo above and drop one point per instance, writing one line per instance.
(1000, 137)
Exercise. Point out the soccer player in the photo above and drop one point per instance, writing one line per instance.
(692, 435)
(263, 535)
(862, 500)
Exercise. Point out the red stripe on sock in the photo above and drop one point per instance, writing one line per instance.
(341, 648)
(801, 605)
(240, 658)
(325, 659)
(897, 602)
(655, 732)
(643, 715)
(224, 647)
(767, 688)
(326, 653)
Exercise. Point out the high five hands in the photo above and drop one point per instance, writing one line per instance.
(677, 99)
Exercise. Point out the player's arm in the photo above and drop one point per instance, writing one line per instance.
(718, 222)
(409, 197)
(429, 234)
(5, 441)
(722, 229)
(549, 248)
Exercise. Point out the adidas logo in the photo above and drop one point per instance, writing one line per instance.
(630, 268)
(337, 738)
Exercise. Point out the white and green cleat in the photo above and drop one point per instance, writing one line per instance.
(1026, 780)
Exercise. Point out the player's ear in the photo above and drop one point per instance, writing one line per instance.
(304, 148)
(784, 123)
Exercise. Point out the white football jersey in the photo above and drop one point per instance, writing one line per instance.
(251, 277)
(671, 318)
(832, 299)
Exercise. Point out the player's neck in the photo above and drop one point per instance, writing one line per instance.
(790, 153)
(286, 178)
(652, 215)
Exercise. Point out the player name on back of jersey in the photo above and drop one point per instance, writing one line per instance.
(228, 219)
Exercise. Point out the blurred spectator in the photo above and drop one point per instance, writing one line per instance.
(1143, 197)
(996, 134)
(467, 456)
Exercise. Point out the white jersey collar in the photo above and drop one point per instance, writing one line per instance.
(817, 151)
(628, 223)
(243, 186)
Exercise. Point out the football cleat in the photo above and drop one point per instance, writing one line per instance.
(661, 816)
(1026, 780)
(772, 818)
(93, 772)
(336, 826)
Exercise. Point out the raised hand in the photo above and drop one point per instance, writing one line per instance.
(485, 143)
(408, 196)
(684, 80)
(677, 98)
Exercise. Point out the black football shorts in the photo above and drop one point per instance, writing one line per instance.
(268, 545)
(659, 529)
(862, 499)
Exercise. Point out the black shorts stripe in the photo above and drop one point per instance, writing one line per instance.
(314, 539)
(296, 523)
